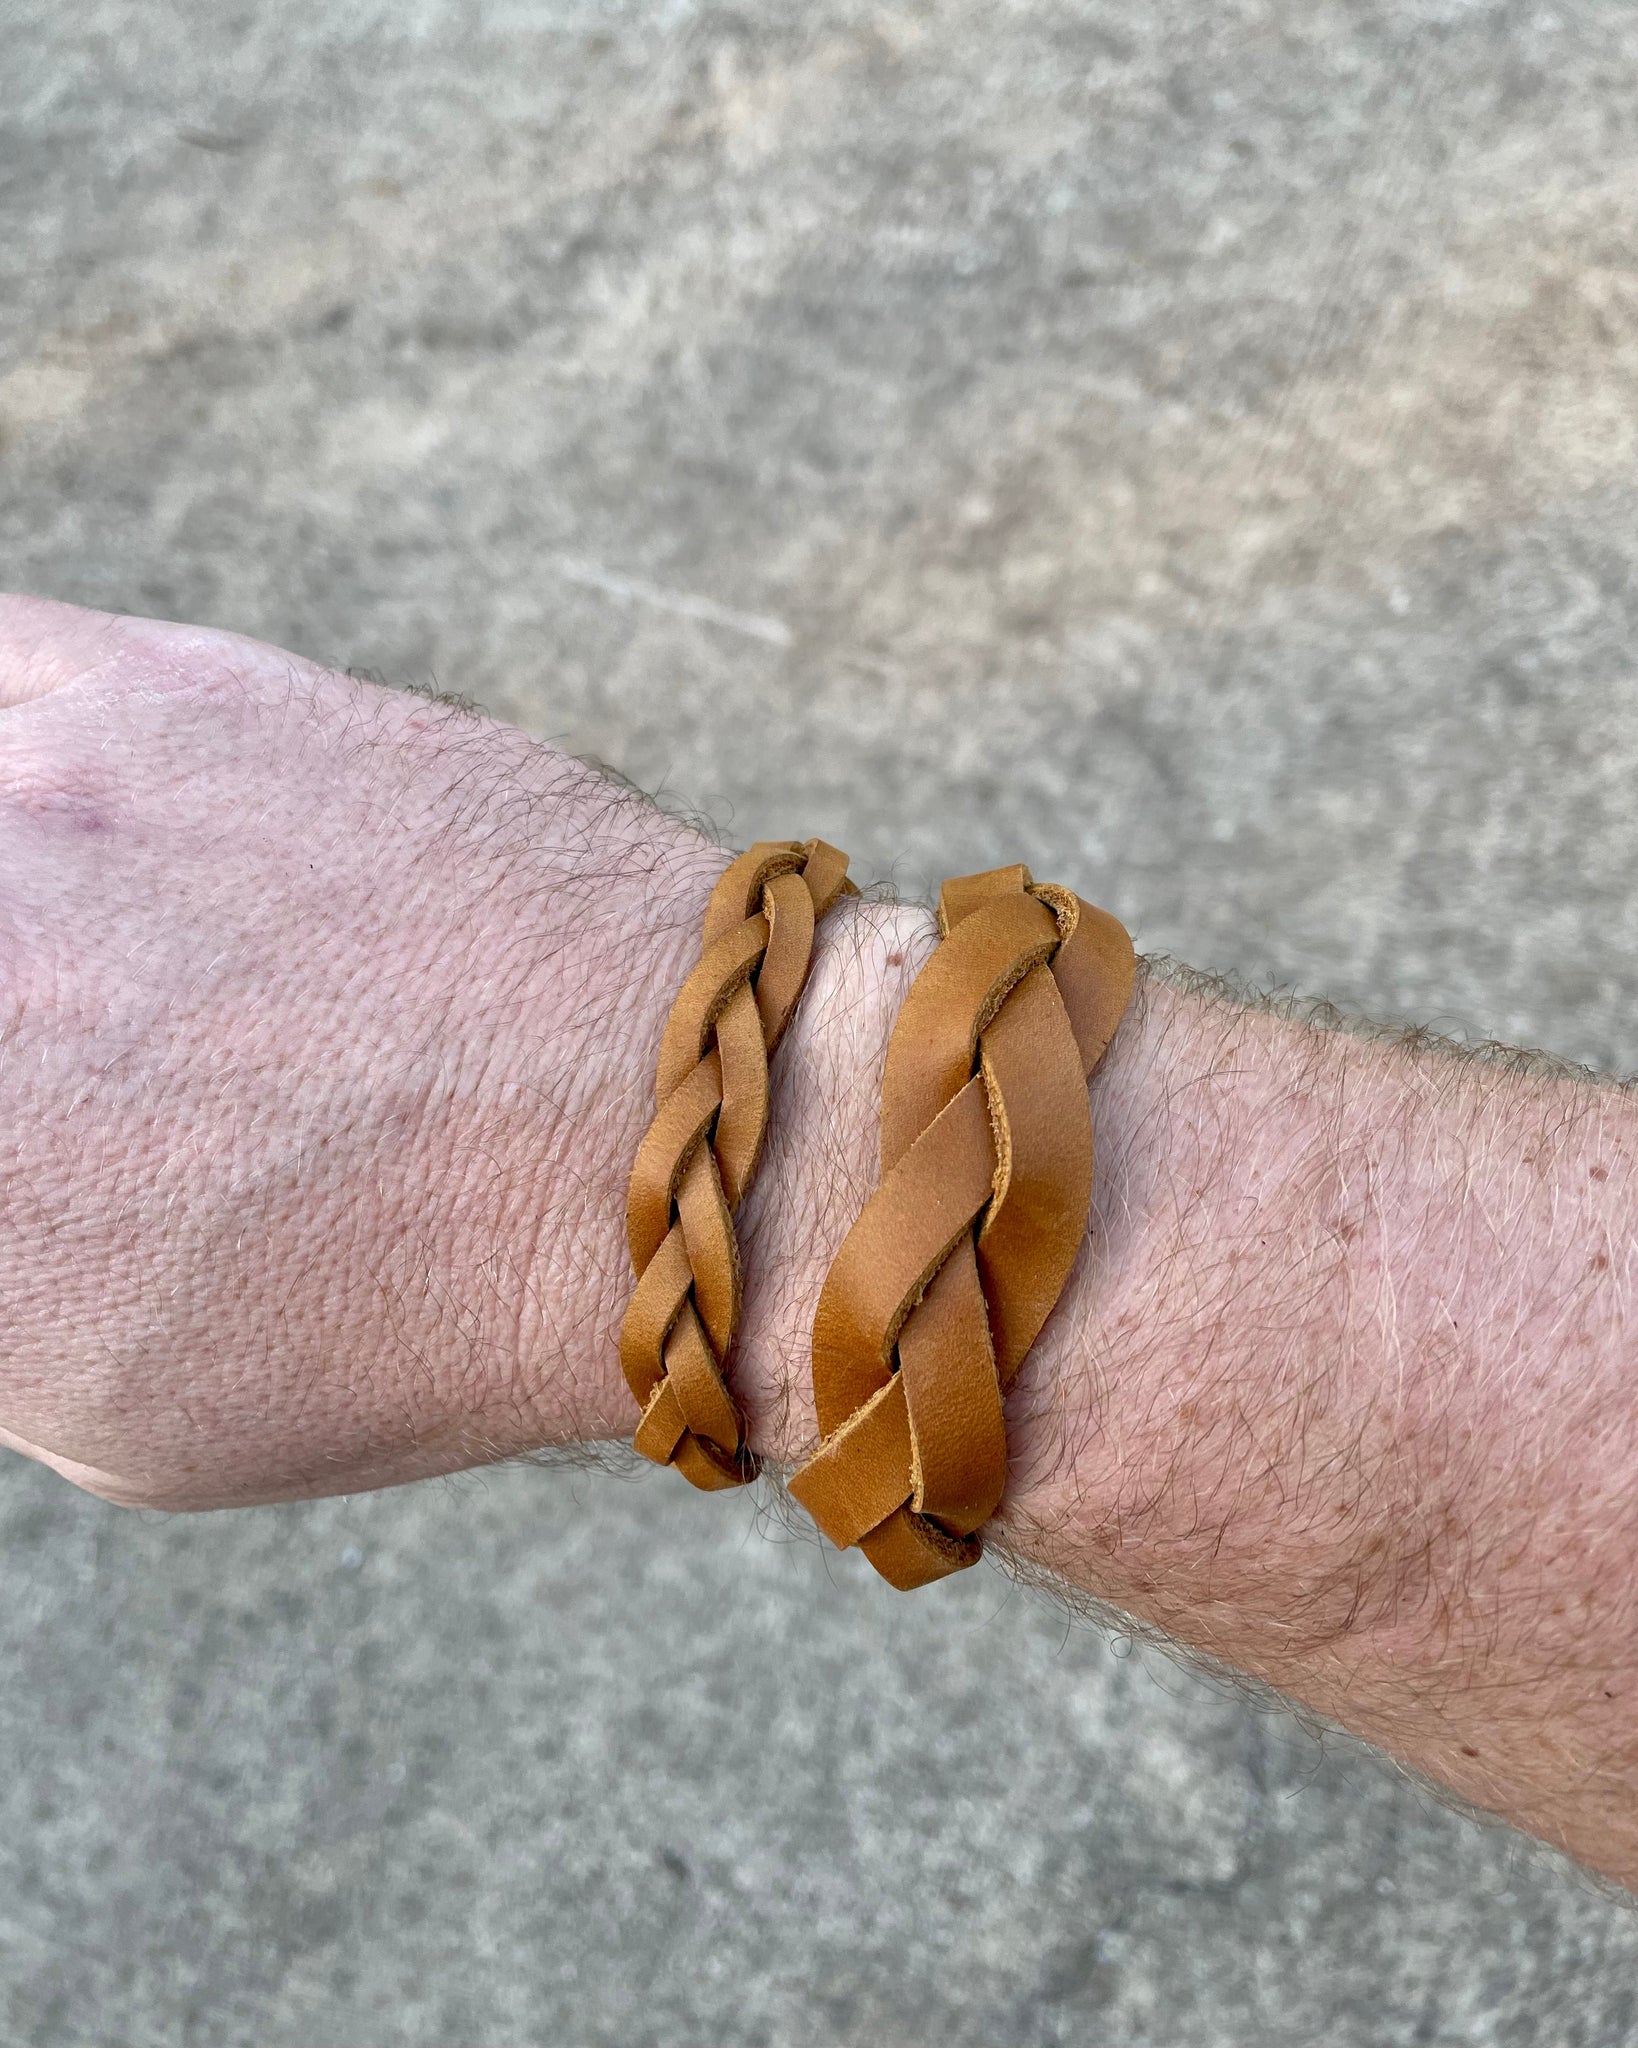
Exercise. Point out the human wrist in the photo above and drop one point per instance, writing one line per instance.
(821, 1157)
(611, 931)
(1233, 1425)
(1203, 1317)
(818, 1162)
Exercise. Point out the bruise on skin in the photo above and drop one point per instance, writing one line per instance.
(76, 811)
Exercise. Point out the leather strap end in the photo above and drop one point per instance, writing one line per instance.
(910, 1551)
(663, 1437)
(712, 1471)
(861, 1474)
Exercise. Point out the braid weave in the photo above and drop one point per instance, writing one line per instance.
(943, 1283)
(700, 1152)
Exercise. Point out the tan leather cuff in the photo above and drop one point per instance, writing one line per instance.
(947, 1276)
(943, 1283)
(700, 1152)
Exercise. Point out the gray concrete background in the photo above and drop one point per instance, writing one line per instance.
(1192, 446)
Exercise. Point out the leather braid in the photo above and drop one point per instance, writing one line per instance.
(943, 1283)
(700, 1152)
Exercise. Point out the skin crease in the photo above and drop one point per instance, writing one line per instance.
(327, 1028)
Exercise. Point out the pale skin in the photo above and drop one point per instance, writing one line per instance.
(327, 1028)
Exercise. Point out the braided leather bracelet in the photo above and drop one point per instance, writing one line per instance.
(943, 1283)
(700, 1152)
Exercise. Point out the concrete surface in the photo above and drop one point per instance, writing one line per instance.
(1193, 446)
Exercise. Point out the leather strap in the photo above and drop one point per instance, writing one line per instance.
(957, 1259)
(699, 1153)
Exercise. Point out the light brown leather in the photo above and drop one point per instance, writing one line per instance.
(957, 1259)
(699, 1153)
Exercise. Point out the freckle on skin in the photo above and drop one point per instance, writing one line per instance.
(1598, 1173)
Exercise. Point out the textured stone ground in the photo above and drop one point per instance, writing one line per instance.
(1192, 446)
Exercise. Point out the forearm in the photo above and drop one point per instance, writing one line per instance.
(1338, 1393)
(1342, 1396)
(328, 1039)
